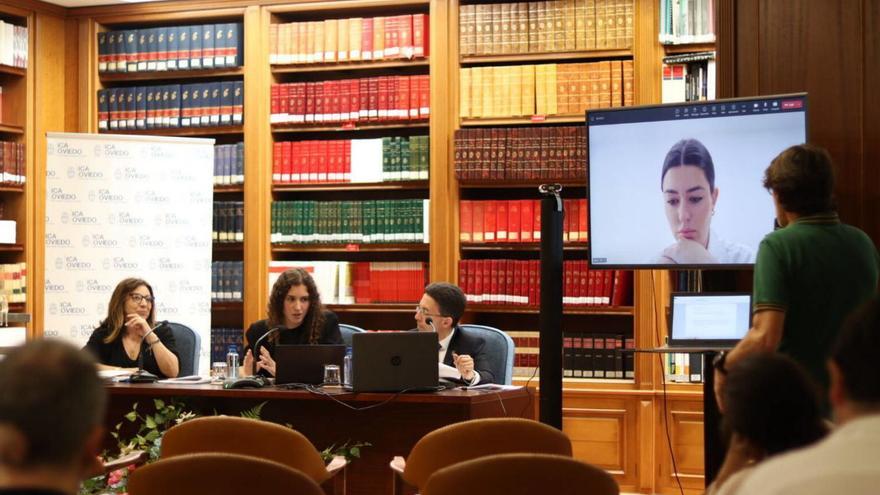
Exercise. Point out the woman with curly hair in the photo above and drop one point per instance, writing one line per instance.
(295, 308)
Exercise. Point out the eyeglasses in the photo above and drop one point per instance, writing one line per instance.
(138, 298)
(425, 312)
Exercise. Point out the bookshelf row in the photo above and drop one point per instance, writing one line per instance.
(516, 221)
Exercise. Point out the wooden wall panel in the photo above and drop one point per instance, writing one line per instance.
(684, 419)
(829, 50)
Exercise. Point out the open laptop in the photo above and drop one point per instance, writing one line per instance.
(394, 361)
(707, 321)
(305, 363)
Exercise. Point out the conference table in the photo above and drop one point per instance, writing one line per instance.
(391, 423)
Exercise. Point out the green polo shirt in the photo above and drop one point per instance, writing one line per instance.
(817, 270)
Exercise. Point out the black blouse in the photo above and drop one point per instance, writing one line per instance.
(330, 334)
(113, 354)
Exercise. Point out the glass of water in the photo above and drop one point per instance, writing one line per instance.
(331, 374)
(218, 371)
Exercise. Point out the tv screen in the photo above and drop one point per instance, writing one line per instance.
(680, 185)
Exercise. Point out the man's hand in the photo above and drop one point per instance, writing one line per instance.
(689, 252)
(465, 365)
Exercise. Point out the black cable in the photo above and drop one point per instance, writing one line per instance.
(663, 381)
(531, 396)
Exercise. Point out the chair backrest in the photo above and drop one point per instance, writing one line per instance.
(521, 474)
(219, 474)
(188, 344)
(244, 436)
(347, 331)
(500, 349)
(477, 438)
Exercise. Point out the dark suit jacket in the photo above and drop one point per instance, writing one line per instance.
(464, 342)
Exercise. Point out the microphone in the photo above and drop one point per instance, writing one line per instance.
(142, 375)
(430, 322)
(255, 351)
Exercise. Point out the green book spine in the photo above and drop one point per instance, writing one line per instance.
(386, 158)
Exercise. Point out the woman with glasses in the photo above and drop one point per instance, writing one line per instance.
(295, 309)
(127, 332)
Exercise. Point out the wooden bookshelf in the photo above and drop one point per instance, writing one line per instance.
(558, 57)
(184, 131)
(11, 129)
(517, 183)
(533, 310)
(352, 126)
(349, 248)
(413, 185)
(385, 65)
(158, 76)
(535, 119)
(229, 189)
(513, 247)
(675, 49)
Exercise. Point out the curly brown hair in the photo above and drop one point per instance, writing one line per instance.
(802, 177)
(116, 308)
(314, 319)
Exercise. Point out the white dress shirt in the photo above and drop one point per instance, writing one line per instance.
(846, 462)
(441, 355)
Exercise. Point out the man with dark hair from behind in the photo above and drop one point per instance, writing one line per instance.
(847, 460)
(440, 310)
(52, 407)
(810, 273)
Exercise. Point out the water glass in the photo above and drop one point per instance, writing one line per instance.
(218, 371)
(331, 374)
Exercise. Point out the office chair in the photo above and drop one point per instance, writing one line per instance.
(521, 474)
(188, 344)
(476, 438)
(254, 438)
(219, 474)
(500, 349)
(347, 331)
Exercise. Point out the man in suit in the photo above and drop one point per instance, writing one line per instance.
(51, 412)
(440, 309)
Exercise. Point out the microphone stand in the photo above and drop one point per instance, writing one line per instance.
(253, 381)
(142, 375)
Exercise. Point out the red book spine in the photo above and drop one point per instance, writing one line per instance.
(478, 215)
(286, 156)
(275, 102)
(329, 91)
(510, 282)
(527, 218)
(309, 112)
(534, 281)
(414, 98)
(608, 279)
(367, 39)
(344, 108)
(276, 162)
(582, 220)
(323, 160)
(479, 277)
(513, 221)
(346, 168)
(373, 98)
(536, 223)
(495, 275)
(501, 221)
(490, 221)
(354, 101)
(405, 33)
(424, 96)
(382, 98)
(465, 221)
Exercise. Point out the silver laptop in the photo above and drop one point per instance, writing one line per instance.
(394, 361)
(708, 320)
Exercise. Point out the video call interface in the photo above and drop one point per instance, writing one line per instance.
(710, 208)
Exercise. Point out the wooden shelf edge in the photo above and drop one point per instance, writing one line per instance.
(343, 5)
(678, 48)
(546, 56)
(566, 310)
(11, 248)
(227, 305)
(348, 248)
(227, 246)
(516, 183)
(229, 188)
(11, 188)
(11, 129)
(12, 71)
(549, 119)
(352, 186)
(518, 246)
(407, 124)
(374, 307)
(181, 131)
(106, 77)
(349, 66)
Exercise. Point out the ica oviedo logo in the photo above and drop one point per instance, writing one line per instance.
(66, 149)
(84, 172)
(187, 287)
(78, 217)
(106, 196)
(58, 194)
(82, 330)
(100, 241)
(115, 151)
(72, 263)
(199, 308)
(54, 287)
(51, 173)
(159, 153)
(127, 218)
(166, 264)
(151, 197)
(199, 198)
(166, 309)
(68, 308)
(145, 241)
(120, 263)
(54, 240)
(129, 173)
(92, 285)
(190, 241)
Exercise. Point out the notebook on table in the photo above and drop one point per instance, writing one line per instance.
(708, 321)
(394, 361)
(305, 363)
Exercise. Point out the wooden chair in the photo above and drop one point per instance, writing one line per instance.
(521, 474)
(219, 474)
(254, 438)
(472, 439)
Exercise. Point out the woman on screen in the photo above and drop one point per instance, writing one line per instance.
(128, 331)
(295, 309)
(688, 186)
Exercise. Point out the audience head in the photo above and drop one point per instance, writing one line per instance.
(129, 297)
(855, 381)
(802, 180)
(295, 301)
(51, 409)
(771, 402)
(443, 300)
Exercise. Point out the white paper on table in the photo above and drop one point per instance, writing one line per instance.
(449, 372)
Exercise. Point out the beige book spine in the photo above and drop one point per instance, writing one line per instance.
(318, 43)
(552, 108)
(590, 21)
(355, 33)
(527, 80)
(477, 92)
(378, 38)
(540, 90)
(569, 21)
(580, 25)
(331, 39)
(342, 40)
(489, 92)
(464, 93)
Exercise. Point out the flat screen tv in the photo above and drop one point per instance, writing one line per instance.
(680, 185)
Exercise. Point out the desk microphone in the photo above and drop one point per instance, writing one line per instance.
(141, 375)
(430, 321)
(256, 349)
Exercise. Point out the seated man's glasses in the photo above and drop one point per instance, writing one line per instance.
(138, 298)
(424, 312)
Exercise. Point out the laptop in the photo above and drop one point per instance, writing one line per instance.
(707, 321)
(394, 361)
(305, 363)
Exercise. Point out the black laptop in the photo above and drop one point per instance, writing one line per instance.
(305, 363)
(708, 320)
(394, 361)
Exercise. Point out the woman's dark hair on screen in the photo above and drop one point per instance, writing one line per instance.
(690, 151)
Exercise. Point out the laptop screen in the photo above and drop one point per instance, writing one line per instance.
(719, 319)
